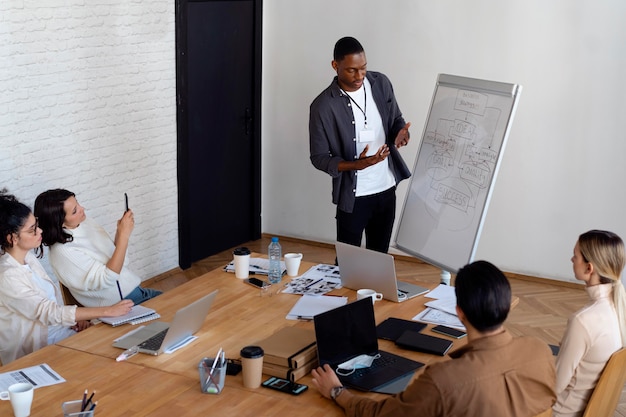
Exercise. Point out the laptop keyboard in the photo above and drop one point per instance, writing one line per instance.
(381, 362)
(155, 342)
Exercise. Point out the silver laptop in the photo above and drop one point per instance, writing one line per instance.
(160, 336)
(365, 268)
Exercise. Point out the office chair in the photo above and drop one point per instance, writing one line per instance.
(608, 390)
(547, 413)
(68, 298)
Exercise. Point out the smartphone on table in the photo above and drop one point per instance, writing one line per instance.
(255, 282)
(285, 385)
(449, 331)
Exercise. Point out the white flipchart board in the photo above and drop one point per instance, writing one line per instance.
(455, 170)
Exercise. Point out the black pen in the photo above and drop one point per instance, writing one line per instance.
(88, 401)
(120, 290)
(84, 403)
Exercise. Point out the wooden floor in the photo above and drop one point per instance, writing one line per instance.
(542, 310)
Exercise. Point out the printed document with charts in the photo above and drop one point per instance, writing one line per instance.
(442, 310)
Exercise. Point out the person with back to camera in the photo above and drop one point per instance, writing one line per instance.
(82, 254)
(32, 314)
(596, 331)
(495, 374)
(355, 131)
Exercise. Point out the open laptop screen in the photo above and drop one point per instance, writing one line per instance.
(346, 332)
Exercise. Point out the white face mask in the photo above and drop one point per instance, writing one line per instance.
(358, 362)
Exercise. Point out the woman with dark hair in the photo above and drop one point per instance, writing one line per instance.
(597, 330)
(83, 256)
(32, 314)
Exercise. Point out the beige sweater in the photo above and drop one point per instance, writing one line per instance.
(591, 337)
(25, 310)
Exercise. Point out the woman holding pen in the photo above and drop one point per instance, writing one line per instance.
(597, 330)
(82, 254)
(32, 314)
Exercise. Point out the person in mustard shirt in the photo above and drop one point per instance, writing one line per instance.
(495, 374)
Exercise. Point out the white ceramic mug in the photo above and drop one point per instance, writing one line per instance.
(364, 293)
(21, 397)
(292, 262)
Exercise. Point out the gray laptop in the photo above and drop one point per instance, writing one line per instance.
(364, 268)
(159, 336)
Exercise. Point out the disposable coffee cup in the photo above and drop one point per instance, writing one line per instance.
(241, 258)
(365, 293)
(21, 397)
(252, 366)
(292, 262)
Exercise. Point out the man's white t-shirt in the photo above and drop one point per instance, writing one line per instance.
(376, 178)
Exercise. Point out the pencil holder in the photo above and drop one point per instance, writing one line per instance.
(72, 409)
(212, 375)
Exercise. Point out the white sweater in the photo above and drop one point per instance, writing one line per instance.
(25, 310)
(81, 266)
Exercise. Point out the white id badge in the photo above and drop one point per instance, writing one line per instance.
(366, 135)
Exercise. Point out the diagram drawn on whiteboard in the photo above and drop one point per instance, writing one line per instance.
(461, 157)
(455, 169)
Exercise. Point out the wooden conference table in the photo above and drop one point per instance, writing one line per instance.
(169, 383)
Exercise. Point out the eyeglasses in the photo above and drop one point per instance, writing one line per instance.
(33, 229)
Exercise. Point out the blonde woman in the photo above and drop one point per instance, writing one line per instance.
(596, 331)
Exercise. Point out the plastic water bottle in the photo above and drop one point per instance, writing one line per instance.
(274, 252)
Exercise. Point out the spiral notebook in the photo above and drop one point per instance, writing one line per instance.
(137, 314)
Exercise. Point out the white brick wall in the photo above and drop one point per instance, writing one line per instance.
(88, 103)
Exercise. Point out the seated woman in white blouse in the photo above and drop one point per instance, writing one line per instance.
(597, 330)
(32, 314)
(83, 256)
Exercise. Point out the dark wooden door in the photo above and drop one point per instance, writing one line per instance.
(219, 152)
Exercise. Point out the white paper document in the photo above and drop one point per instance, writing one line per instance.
(318, 280)
(444, 304)
(39, 375)
(442, 291)
(308, 306)
(180, 344)
(259, 266)
(434, 316)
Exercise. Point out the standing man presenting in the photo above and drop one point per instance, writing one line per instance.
(355, 130)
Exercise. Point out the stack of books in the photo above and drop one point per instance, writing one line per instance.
(290, 353)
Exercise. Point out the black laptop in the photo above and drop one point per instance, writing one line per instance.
(349, 331)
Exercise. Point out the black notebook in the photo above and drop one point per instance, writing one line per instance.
(423, 343)
(392, 328)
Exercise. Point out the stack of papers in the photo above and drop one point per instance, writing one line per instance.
(318, 280)
(442, 310)
(308, 306)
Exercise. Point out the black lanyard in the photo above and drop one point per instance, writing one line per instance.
(364, 111)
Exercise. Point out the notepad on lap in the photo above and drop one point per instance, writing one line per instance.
(136, 312)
